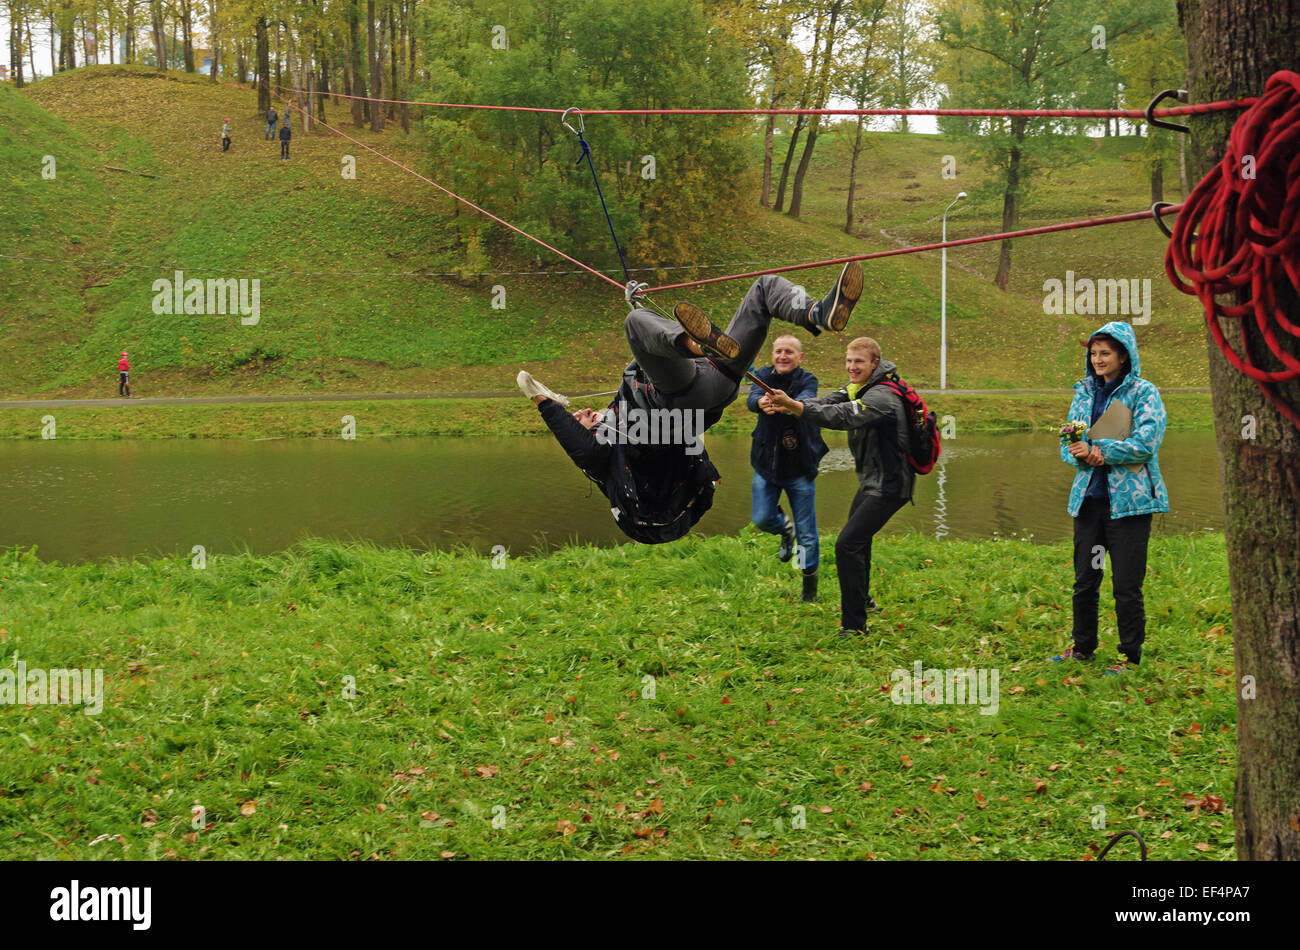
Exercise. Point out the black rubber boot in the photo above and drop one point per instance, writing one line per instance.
(788, 537)
(809, 588)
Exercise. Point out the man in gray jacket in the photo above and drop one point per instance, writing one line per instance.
(877, 425)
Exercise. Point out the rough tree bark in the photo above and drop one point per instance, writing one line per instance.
(187, 35)
(263, 68)
(357, 81)
(159, 38)
(1233, 46)
(376, 81)
(1010, 201)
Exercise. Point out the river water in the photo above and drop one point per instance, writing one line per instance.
(80, 501)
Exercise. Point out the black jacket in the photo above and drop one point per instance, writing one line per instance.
(877, 426)
(769, 431)
(657, 492)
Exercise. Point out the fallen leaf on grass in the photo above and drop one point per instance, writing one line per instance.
(247, 809)
(1039, 786)
(906, 760)
(1201, 846)
(486, 771)
(565, 827)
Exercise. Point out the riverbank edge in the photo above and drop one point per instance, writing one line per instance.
(491, 417)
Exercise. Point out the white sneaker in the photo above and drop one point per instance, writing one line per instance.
(531, 387)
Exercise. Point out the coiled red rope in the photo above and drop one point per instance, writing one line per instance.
(1237, 235)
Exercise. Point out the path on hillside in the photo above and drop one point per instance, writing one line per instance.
(363, 397)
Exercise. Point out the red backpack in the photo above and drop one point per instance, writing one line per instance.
(922, 427)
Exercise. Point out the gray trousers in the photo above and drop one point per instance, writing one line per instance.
(694, 382)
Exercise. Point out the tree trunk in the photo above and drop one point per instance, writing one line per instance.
(263, 69)
(128, 34)
(31, 47)
(159, 37)
(1010, 202)
(1183, 183)
(405, 116)
(392, 56)
(1157, 183)
(1233, 46)
(187, 34)
(789, 157)
(376, 82)
(768, 135)
(796, 193)
(16, 42)
(853, 177)
(358, 83)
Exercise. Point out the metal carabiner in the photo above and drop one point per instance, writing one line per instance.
(1180, 95)
(634, 292)
(564, 121)
(1155, 213)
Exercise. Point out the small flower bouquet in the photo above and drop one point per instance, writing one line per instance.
(1073, 432)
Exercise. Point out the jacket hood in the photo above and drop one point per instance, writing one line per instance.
(1122, 331)
(881, 371)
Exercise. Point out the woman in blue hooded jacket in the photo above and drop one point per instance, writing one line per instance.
(1117, 488)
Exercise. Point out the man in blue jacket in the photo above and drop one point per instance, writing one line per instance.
(785, 454)
(1117, 488)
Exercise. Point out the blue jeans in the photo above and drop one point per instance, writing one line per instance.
(766, 517)
(270, 130)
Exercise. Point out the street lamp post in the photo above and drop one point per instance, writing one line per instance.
(943, 300)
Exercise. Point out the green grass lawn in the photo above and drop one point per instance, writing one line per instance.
(340, 311)
(667, 702)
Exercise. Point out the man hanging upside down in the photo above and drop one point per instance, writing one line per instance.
(644, 450)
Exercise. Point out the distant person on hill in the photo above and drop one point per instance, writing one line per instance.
(1117, 487)
(271, 118)
(656, 475)
(124, 377)
(225, 136)
(878, 438)
(285, 134)
(785, 454)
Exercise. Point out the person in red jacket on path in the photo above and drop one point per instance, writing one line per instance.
(124, 377)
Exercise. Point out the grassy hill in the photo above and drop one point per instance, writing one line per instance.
(340, 311)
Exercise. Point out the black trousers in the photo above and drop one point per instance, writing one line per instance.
(1095, 533)
(284, 148)
(225, 143)
(867, 515)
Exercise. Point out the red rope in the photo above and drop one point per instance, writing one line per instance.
(1046, 229)
(1195, 109)
(1238, 235)
(465, 201)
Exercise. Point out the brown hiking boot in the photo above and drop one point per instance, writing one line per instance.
(701, 329)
